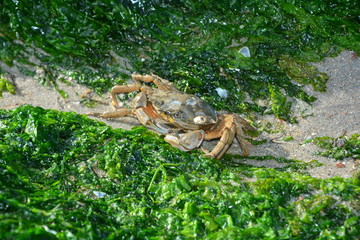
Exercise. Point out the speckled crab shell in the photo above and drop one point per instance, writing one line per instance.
(183, 110)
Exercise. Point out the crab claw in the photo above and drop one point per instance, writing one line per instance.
(186, 141)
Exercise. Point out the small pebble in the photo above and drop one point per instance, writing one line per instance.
(245, 51)
(340, 165)
(222, 92)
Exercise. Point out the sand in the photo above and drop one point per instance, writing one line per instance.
(335, 113)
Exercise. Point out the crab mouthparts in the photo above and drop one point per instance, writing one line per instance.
(204, 120)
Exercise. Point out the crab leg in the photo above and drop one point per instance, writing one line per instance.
(162, 84)
(224, 143)
(244, 124)
(113, 114)
(226, 132)
(122, 89)
(244, 145)
(148, 118)
(229, 127)
(116, 114)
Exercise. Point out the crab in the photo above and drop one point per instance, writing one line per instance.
(186, 120)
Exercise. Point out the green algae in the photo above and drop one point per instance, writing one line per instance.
(65, 176)
(194, 44)
(6, 85)
(338, 148)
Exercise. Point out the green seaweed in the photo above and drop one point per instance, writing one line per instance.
(338, 148)
(65, 176)
(194, 44)
(6, 85)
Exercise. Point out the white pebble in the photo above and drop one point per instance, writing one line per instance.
(99, 194)
(245, 51)
(222, 92)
